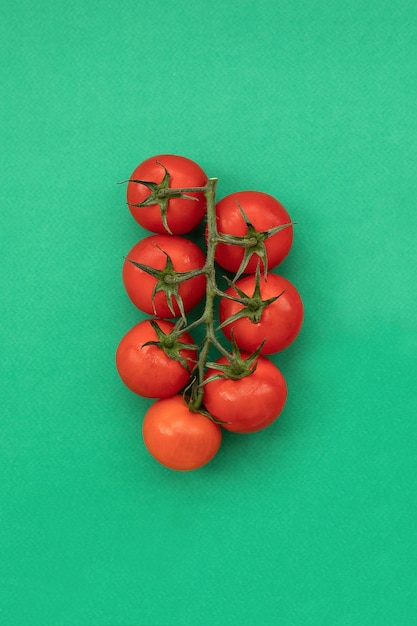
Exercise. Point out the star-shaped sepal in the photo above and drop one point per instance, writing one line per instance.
(253, 242)
(237, 367)
(168, 281)
(160, 193)
(253, 306)
(171, 343)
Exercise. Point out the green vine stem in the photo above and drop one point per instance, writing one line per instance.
(212, 290)
(241, 368)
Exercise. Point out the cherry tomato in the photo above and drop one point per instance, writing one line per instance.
(148, 370)
(250, 403)
(177, 437)
(182, 213)
(152, 251)
(263, 212)
(278, 323)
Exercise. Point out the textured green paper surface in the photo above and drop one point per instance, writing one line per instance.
(311, 522)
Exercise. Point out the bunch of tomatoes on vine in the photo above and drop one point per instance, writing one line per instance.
(245, 311)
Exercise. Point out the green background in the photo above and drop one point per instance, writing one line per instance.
(313, 520)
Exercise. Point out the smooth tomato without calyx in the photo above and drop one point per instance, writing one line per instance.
(264, 212)
(250, 403)
(182, 213)
(152, 252)
(278, 323)
(177, 437)
(148, 370)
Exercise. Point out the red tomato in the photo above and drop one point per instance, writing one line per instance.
(264, 212)
(278, 323)
(250, 403)
(152, 251)
(182, 214)
(178, 438)
(148, 370)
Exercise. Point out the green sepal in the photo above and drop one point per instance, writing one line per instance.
(253, 306)
(237, 367)
(159, 196)
(168, 281)
(170, 344)
(253, 242)
(170, 289)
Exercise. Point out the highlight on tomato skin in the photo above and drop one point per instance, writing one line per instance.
(147, 370)
(179, 438)
(183, 214)
(248, 404)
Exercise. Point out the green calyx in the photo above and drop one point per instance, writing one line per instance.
(170, 343)
(253, 242)
(160, 193)
(253, 306)
(168, 281)
(236, 367)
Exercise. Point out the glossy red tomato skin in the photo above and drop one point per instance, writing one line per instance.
(178, 438)
(249, 404)
(281, 320)
(182, 215)
(147, 370)
(185, 256)
(264, 212)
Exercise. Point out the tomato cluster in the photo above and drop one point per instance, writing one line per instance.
(166, 275)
